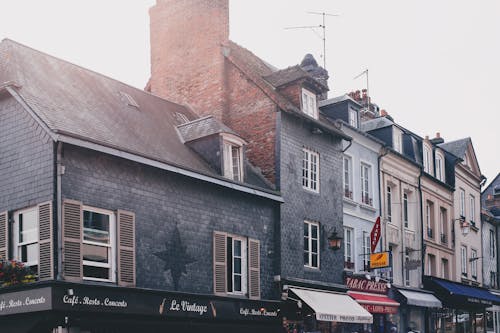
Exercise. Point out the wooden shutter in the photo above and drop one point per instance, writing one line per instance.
(220, 259)
(45, 237)
(4, 235)
(253, 269)
(126, 248)
(72, 230)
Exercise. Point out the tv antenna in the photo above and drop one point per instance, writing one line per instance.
(365, 72)
(321, 26)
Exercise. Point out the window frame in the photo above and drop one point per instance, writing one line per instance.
(366, 251)
(472, 209)
(228, 159)
(309, 103)
(366, 194)
(407, 274)
(463, 260)
(473, 263)
(17, 253)
(406, 220)
(493, 249)
(429, 219)
(349, 256)
(439, 167)
(310, 239)
(348, 179)
(388, 193)
(397, 137)
(308, 182)
(244, 264)
(462, 202)
(427, 159)
(353, 118)
(112, 246)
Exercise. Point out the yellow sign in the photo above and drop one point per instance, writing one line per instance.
(379, 260)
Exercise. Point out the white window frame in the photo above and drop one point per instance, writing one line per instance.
(397, 136)
(443, 221)
(406, 213)
(439, 167)
(229, 160)
(347, 173)
(389, 203)
(349, 246)
(111, 246)
(473, 264)
(493, 248)
(472, 203)
(429, 212)
(444, 268)
(463, 259)
(353, 118)
(427, 159)
(366, 184)
(462, 202)
(310, 170)
(17, 245)
(309, 105)
(309, 239)
(244, 264)
(366, 251)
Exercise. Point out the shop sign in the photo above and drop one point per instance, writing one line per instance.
(360, 284)
(25, 301)
(379, 260)
(375, 235)
(375, 308)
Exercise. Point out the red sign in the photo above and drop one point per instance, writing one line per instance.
(375, 235)
(375, 308)
(355, 283)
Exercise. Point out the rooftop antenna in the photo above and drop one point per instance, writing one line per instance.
(322, 26)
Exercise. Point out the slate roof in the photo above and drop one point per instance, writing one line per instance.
(457, 147)
(376, 123)
(289, 75)
(82, 104)
(337, 99)
(202, 127)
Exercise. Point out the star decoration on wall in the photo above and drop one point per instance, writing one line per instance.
(175, 257)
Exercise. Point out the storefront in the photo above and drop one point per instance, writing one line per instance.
(69, 307)
(372, 295)
(416, 307)
(313, 310)
(464, 307)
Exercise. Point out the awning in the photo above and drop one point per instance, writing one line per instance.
(375, 303)
(457, 294)
(330, 306)
(420, 299)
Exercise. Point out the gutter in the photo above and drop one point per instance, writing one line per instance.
(422, 245)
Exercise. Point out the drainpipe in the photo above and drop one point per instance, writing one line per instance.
(383, 151)
(59, 170)
(422, 245)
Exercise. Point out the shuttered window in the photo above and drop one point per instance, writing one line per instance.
(4, 235)
(26, 246)
(72, 240)
(46, 248)
(126, 248)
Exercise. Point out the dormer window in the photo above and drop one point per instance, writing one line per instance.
(427, 159)
(397, 140)
(439, 167)
(353, 118)
(309, 106)
(233, 160)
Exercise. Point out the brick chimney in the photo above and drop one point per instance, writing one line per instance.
(187, 65)
(438, 139)
(310, 65)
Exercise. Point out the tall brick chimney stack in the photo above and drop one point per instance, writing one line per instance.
(187, 65)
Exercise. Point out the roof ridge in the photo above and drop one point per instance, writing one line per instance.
(196, 120)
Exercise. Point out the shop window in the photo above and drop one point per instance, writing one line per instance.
(310, 170)
(26, 247)
(99, 244)
(311, 244)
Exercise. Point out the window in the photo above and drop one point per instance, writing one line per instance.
(439, 167)
(389, 203)
(429, 218)
(472, 209)
(233, 161)
(462, 202)
(427, 159)
(431, 265)
(311, 244)
(353, 118)
(407, 271)
(493, 248)
(98, 250)
(366, 252)
(405, 209)
(463, 260)
(348, 248)
(443, 217)
(444, 269)
(26, 248)
(365, 184)
(236, 265)
(309, 103)
(310, 170)
(493, 279)
(397, 135)
(473, 263)
(347, 177)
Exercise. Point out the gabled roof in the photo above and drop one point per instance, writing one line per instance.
(87, 108)
(457, 147)
(202, 127)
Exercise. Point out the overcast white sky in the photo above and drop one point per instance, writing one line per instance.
(434, 65)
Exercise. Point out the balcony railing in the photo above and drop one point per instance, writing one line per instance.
(366, 200)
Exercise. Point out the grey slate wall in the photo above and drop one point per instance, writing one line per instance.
(162, 201)
(26, 159)
(324, 207)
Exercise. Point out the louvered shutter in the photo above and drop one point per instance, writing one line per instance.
(45, 234)
(253, 269)
(4, 235)
(126, 248)
(220, 253)
(72, 230)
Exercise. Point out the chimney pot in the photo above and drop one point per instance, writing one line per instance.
(383, 113)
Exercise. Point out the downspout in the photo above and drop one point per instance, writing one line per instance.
(383, 151)
(422, 245)
(60, 172)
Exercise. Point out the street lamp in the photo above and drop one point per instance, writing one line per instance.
(334, 240)
(464, 225)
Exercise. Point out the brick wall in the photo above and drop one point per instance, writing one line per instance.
(162, 201)
(324, 207)
(26, 159)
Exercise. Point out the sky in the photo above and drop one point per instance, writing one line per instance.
(433, 65)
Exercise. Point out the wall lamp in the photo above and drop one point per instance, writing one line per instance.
(464, 225)
(335, 240)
